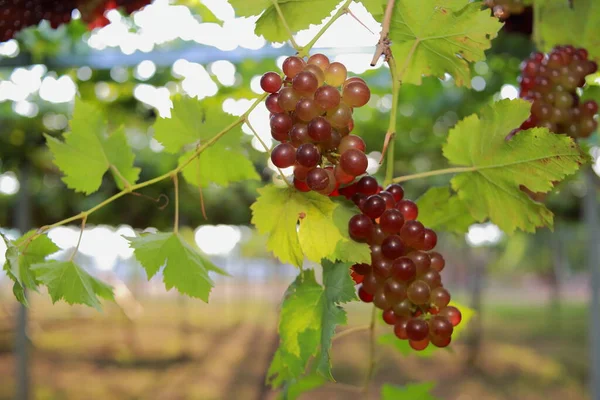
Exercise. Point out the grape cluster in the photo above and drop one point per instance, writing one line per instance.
(550, 82)
(311, 115)
(403, 278)
(505, 8)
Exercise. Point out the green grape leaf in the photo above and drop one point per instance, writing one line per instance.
(295, 12)
(67, 281)
(323, 231)
(309, 316)
(440, 210)
(218, 165)
(582, 15)
(432, 37)
(411, 391)
(534, 159)
(193, 120)
(88, 152)
(296, 387)
(20, 259)
(199, 8)
(184, 268)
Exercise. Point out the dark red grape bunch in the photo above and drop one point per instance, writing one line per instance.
(550, 82)
(311, 115)
(505, 8)
(403, 278)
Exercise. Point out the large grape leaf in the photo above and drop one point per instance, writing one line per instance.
(299, 14)
(433, 37)
(88, 152)
(67, 281)
(411, 391)
(193, 120)
(20, 258)
(294, 388)
(184, 268)
(579, 24)
(218, 165)
(323, 231)
(535, 159)
(440, 210)
(309, 316)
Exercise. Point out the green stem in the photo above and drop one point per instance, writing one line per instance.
(176, 186)
(371, 369)
(303, 52)
(285, 24)
(391, 132)
(537, 23)
(350, 331)
(445, 171)
(83, 221)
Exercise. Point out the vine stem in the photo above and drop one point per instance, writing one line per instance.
(176, 185)
(303, 52)
(445, 171)
(350, 331)
(285, 24)
(390, 136)
(384, 41)
(85, 214)
(371, 368)
(83, 221)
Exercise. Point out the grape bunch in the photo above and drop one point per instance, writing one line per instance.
(311, 116)
(550, 82)
(403, 278)
(505, 8)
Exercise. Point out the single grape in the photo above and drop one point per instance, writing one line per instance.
(417, 329)
(333, 142)
(422, 261)
(418, 292)
(319, 129)
(440, 297)
(429, 240)
(352, 142)
(408, 209)
(587, 126)
(412, 233)
(422, 344)
(317, 72)
(317, 179)
(404, 269)
(292, 66)
(440, 327)
(390, 203)
(288, 98)
(359, 199)
(320, 60)
(283, 155)
(305, 83)
(340, 116)
(306, 110)
(377, 235)
(356, 94)
(352, 80)
(301, 185)
(300, 171)
(327, 97)
(382, 267)
(589, 107)
(270, 82)
(564, 100)
(353, 161)
(380, 300)
(452, 313)
(389, 317)
(299, 134)
(272, 103)
(374, 206)
(396, 191)
(363, 295)
(403, 308)
(541, 109)
(336, 73)
(341, 176)
(308, 155)
(441, 341)
(392, 247)
(583, 53)
(372, 282)
(332, 184)
(376, 254)
(360, 227)
(395, 290)
(432, 278)
(281, 123)
(400, 326)
(391, 221)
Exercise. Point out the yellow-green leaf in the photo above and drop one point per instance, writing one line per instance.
(440, 210)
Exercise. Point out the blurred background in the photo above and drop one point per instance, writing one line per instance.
(531, 293)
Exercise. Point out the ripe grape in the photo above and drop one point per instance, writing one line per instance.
(360, 227)
(437, 261)
(412, 233)
(341, 176)
(306, 109)
(299, 134)
(403, 308)
(292, 66)
(395, 290)
(300, 171)
(288, 98)
(440, 327)
(382, 267)
(352, 142)
(371, 282)
(317, 179)
(305, 83)
(389, 317)
(380, 300)
(367, 185)
(320, 60)
(301, 186)
(419, 345)
(356, 94)
(392, 247)
(429, 240)
(374, 206)
(400, 326)
(272, 103)
(389, 200)
(409, 210)
(441, 341)
(270, 82)
(283, 155)
(404, 269)
(327, 97)
(364, 295)
(377, 235)
(281, 123)
(391, 221)
(319, 129)
(417, 329)
(432, 278)
(359, 199)
(418, 292)
(421, 260)
(308, 155)
(317, 72)
(440, 297)
(336, 73)
(340, 116)
(452, 313)
(354, 162)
